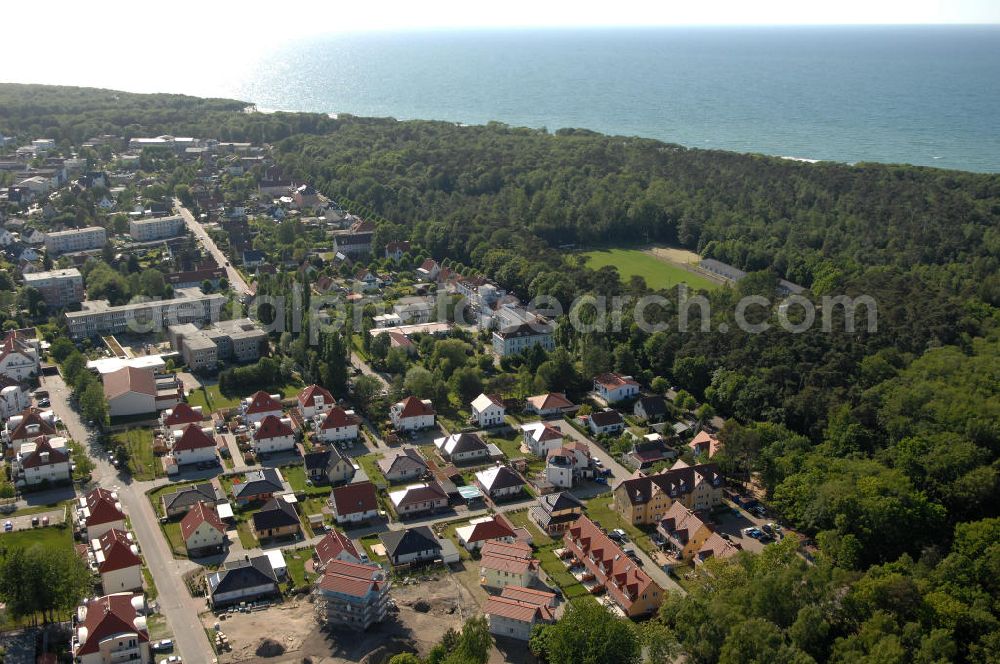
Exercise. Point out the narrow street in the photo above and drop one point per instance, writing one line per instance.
(236, 281)
(176, 604)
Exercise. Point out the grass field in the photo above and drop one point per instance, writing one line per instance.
(141, 461)
(657, 273)
(53, 536)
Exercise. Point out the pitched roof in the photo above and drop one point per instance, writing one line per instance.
(428, 265)
(102, 507)
(272, 426)
(354, 579)
(458, 443)
(117, 551)
(324, 459)
(653, 405)
(418, 493)
(108, 616)
(529, 595)
(354, 498)
(276, 513)
(129, 379)
(512, 609)
(197, 515)
(606, 418)
(332, 544)
(498, 477)
(625, 578)
(34, 459)
(308, 395)
(411, 540)
(613, 380)
(542, 431)
(189, 495)
(488, 529)
(484, 401)
(403, 456)
(193, 437)
(262, 402)
(243, 574)
(706, 442)
(675, 481)
(550, 401)
(256, 482)
(556, 502)
(182, 413)
(31, 417)
(414, 407)
(338, 418)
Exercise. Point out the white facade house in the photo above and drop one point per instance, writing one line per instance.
(14, 398)
(44, 459)
(315, 400)
(273, 434)
(488, 411)
(98, 512)
(111, 630)
(462, 448)
(412, 414)
(193, 444)
(79, 239)
(260, 405)
(156, 228)
(336, 425)
(20, 356)
(614, 387)
(116, 558)
(541, 438)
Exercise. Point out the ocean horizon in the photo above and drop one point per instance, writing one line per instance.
(924, 95)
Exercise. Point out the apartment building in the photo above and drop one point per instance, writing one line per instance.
(58, 287)
(99, 317)
(77, 239)
(229, 340)
(352, 594)
(517, 339)
(156, 228)
(110, 630)
(645, 500)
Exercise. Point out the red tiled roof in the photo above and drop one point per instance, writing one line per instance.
(488, 530)
(262, 402)
(42, 444)
(193, 438)
(428, 265)
(272, 426)
(182, 413)
(354, 498)
(307, 396)
(613, 380)
(350, 578)
(338, 417)
(513, 609)
(30, 416)
(103, 508)
(550, 401)
(332, 544)
(414, 407)
(528, 595)
(197, 515)
(117, 551)
(107, 616)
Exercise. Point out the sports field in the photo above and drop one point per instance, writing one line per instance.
(657, 272)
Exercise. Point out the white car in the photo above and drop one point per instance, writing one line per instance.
(173, 659)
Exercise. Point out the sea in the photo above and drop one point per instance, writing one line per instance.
(927, 95)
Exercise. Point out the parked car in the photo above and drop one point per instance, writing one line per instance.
(173, 659)
(165, 644)
(45, 520)
(618, 535)
(34, 522)
(8, 526)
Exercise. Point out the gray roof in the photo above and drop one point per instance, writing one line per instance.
(189, 495)
(276, 513)
(411, 540)
(242, 574)
(256, 482)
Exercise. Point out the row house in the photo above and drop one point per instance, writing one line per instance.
(689, 538)
(645, 500)
(507, 563)
(514, 614)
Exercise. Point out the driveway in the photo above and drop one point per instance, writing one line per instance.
(175, 603)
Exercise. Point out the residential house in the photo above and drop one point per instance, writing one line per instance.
(551, 403)
(507, 563)
(541, 438)
(516, 618)
(352, 594)
(315, 400)
(644, 500)
(335, 545)
(180, 416)
(516, 339)
(568, 464)
(20, 355)
(402, 464)
(193, 444)
(428, 270)
(14, 397)
(260, 405)
(28, 425)
(75, 239)
(613, 387)
(556, 512)
(357, 241)
(500, 482)
(41, 461)
(411, 546)
(336, 425)
(423, 498)
(258, 486)
(412, 414)
(488, 411)
(687, 537)
(277, 518)
(606, 423)
(463, 448)
(156, 228)
(202, 530)
(100, 317)
(635, 593)
(183, 499)
(650, 408)
(329, 466)
(484, 529)
(98, 512)
(245, 580)
(395, 250)
(650, 449)
(354, 503)
(110, 630)
(116, 558)
(705, 444)
(253, 258)
(273, 434)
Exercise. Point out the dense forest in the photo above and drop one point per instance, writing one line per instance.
(881, 445)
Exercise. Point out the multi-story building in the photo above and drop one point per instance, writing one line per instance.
(688, 537)
(635, 593)
(42, 460)
(156, 228)
(412, 414)
(20, 354)
(519, 338)
(240, 340)
(352, 594)
(504, 564)
(645, 500)
(77, 239)
(98, 317)
(111, 630)
(116, 559)
(556, 512)
(515, 612)
(58, 287)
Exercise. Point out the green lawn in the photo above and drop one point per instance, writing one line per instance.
(50, 537)
(368, 543)
(656, 272)
(296, 563)
(211, 399)
(172, 531)
(142, 463)
(296, 477)
(602, 511)
(369, 463)
(246, 535)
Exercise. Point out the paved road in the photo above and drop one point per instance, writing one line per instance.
(236, 280)
(176, 604)
(366, 369)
